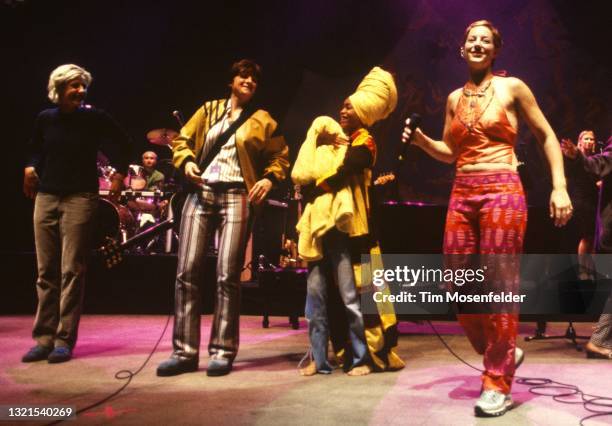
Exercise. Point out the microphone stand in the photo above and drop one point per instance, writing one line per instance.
(170, 233)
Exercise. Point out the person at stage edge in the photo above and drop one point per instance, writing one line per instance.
(231, 152)
(487, 213)
(584, 193)
(61, 176)
(599, 165)
(333, 167)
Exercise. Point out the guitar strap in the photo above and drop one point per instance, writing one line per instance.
(247, 112)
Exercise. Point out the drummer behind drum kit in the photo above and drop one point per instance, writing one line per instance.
(138, 208)
(145, 221)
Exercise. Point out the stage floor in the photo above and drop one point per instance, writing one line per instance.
(265, 388)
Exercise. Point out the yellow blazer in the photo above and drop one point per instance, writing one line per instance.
(261, 153)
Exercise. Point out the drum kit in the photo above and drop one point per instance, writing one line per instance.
(138, 212)
(138, 208)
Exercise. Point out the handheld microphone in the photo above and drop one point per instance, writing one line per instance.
(179, 117)
(415, 121)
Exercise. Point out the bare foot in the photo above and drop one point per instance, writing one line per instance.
(599, 350)
(309, 370)
(362, 370)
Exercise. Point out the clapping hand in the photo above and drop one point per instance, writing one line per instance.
(568, 148)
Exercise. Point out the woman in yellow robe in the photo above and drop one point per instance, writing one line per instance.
(334, 168)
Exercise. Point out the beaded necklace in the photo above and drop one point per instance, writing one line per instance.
(477, 101)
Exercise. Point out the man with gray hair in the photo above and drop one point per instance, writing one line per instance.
(61, 176)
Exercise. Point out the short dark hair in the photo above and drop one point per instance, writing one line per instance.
(497, 38)
(245, 68)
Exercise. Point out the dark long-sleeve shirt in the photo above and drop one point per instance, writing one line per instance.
(64, 146)
(582, 186)
(600, 165)
(360, 155)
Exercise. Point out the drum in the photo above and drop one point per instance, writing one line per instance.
(135, 180)
(104, 176)
(172, 178)
(104, 184)
(144, 204)
(114, 221)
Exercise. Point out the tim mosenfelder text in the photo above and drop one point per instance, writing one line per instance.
(409, 277)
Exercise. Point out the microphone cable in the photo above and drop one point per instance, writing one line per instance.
(539, 385)
(125, 374)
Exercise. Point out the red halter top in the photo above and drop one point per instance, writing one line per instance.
(489, 140)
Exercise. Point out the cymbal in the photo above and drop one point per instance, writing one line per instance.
(161, 136)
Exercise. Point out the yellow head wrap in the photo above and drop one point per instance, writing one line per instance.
(375, 98)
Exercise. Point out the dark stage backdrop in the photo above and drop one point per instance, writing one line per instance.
(149, 58)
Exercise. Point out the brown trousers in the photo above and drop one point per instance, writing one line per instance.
(62, 232)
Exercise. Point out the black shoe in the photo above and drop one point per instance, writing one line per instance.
(219, 367)
(60, 354)
(176, 366)
(37, 353)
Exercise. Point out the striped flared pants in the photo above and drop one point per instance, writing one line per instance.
(204, 212)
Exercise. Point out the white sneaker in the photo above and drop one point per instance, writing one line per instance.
(492, 403)
(519, 357)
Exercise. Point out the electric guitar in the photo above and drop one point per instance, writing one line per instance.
(112, 251)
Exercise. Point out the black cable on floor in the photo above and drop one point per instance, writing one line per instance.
(588, 401)
(127, 375)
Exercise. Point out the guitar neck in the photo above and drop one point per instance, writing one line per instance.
(148, 234)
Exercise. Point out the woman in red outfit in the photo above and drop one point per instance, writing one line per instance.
(487, 213)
